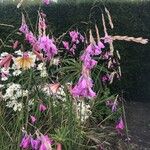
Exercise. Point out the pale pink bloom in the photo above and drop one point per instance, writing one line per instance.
(54, 87)
(42, 107)
(15, 44)
(59, 146)
(33, 119)
(38, 55)
(5, 61)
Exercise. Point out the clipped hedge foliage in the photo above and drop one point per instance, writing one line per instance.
(130, 18)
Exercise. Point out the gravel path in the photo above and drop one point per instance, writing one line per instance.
(138, 120)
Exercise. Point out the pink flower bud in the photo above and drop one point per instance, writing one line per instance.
(33, 119)
(42, 107)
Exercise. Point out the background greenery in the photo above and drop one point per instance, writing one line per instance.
(130, 18)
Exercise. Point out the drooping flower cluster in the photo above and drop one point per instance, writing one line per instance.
(91, 50)
(41, 142)
(76, 38)
(42, 43)
(84, 86)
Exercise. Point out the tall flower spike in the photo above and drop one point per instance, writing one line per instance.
(42, 25)
(24, 28)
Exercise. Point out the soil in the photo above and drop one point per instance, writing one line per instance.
(138, 121)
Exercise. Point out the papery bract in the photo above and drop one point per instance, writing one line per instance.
(42, 24)
(107, 39)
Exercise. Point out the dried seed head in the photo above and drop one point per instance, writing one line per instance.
(109, 18)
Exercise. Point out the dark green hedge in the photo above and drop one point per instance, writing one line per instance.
(131, 19)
